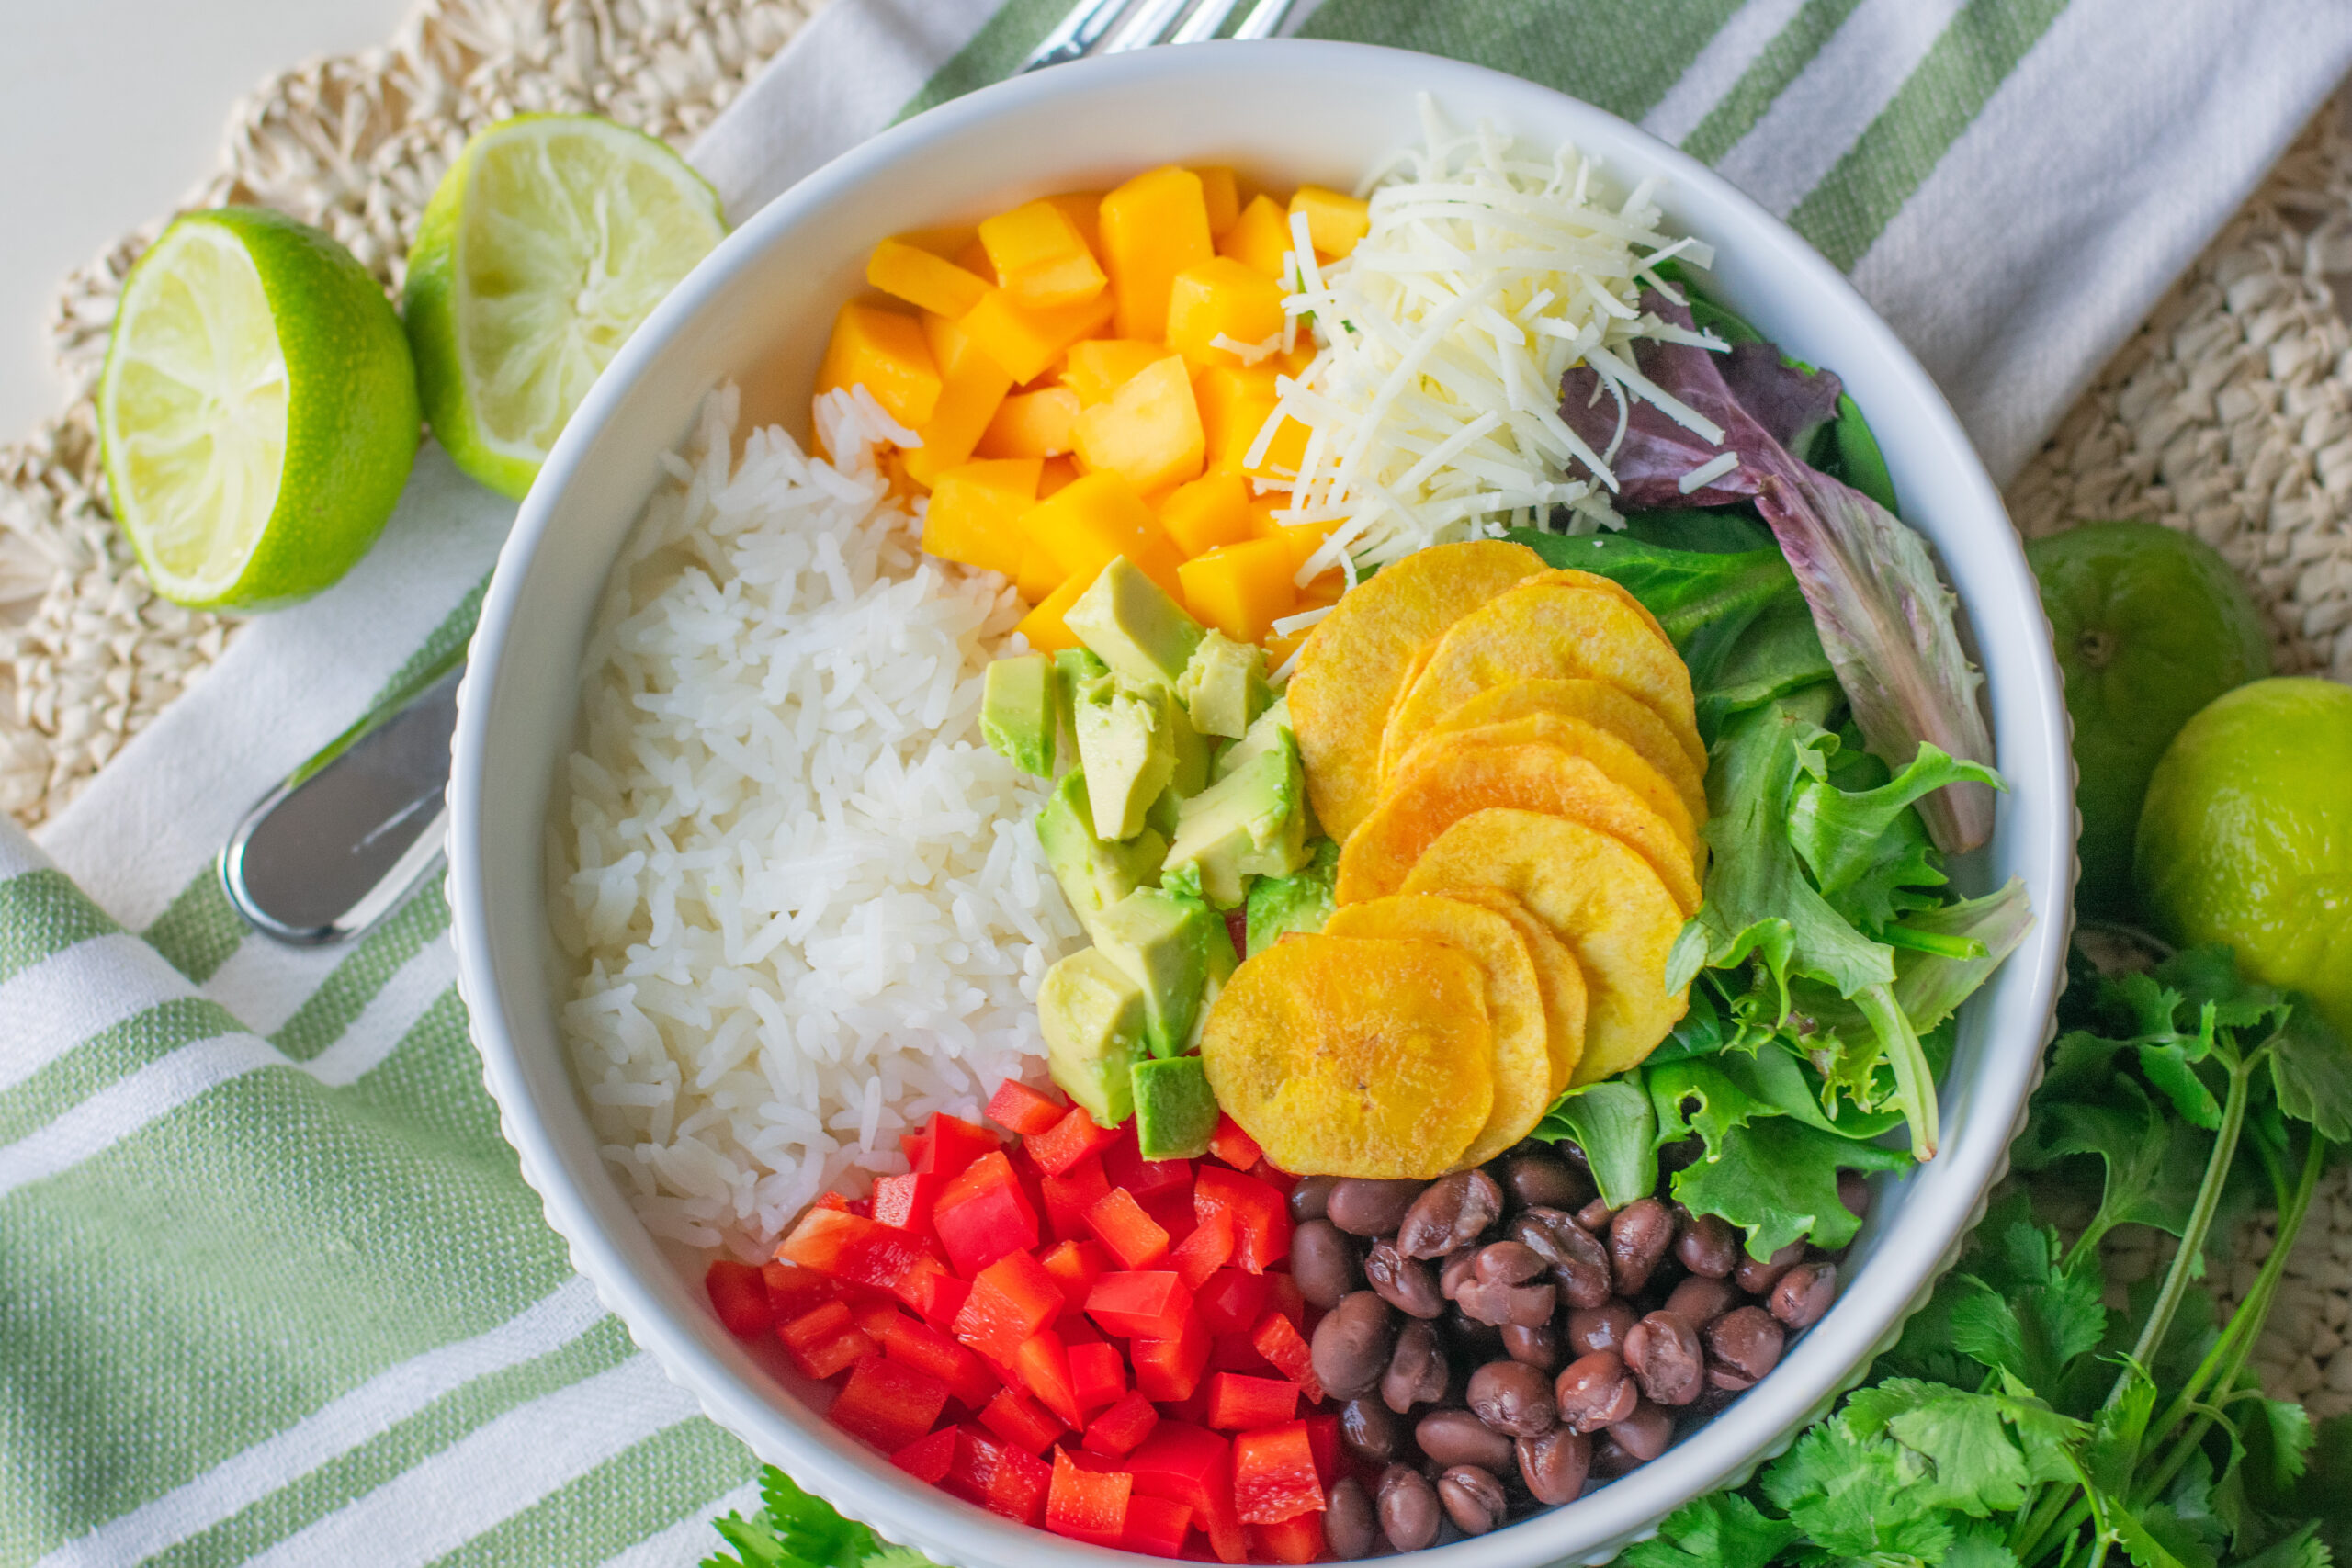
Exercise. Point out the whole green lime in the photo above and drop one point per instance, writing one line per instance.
(2151, 624)
(2247, 836)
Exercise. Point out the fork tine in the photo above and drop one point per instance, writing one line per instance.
(1203, 23)
(1074, 35)
(1265, 20)
(1146, 27)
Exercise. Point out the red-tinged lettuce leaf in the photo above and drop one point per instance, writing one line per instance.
(1793, 404)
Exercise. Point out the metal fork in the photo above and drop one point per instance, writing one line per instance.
(1093, 26)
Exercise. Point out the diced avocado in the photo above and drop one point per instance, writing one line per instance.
(1193, 752)
(1242, 815)
(1073, 667)
(1161, 816)
(1094, 875)
(1093, 1014)
(1223, 686)
(1131, 622)
(1266, 731)
(1223, 962)
(1299, 902)
(1126, 744)
(1164, 940)
(1021, 712)
(1175, 1113)
(1288, 851)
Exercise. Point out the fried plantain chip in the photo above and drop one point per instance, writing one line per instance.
(1609, 708)
(1354, 1057)
(1463, 775)
(1353, 663)
(1515, 1016)
(1599, 898)
(1557, 974)
(1568, 577)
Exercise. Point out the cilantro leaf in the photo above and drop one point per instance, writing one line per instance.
(2022, 1311)
(793, 1529)
(1858, 1496)
(2118, 1432)
(1777, 1179)
(1723, 1529)
(1612, 1121)
(2311, 1066)
(2153, 1164)
(2307, 1548)
(1978, 1469)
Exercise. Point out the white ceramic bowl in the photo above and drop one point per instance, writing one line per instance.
(758, 311)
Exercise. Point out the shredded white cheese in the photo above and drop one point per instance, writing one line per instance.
(1285, 624)
(1431, 408)
(1248, 353)
(1708, 472)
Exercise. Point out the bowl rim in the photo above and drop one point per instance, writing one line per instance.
(903, 1510)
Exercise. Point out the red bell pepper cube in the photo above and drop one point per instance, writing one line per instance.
(1282, 1296)
(983, 1215)
(1208, 1249)
(913, 1144)
(1098, 1372)
(1170, 1368)
(1323, 1442)
(934, 1292)
(1233, 1145)
(793, 1289)
(1021, 1421)
(823, 1341)
(1012, 1299)
(1171, 1210)
(740, 1296)
(1076, 1265)
(1274, 1474)
(1238, 1353)
(1232, 1302)
(920, 1344)
(852, 1250)
(906, 1202)
(1117, 1431)
(888, 1403)
(1068, 1196)
(1238, 1403)
(952, 1144)
(999, 1477)
(1155, 1526)
(1149, 1304)
(1261, 1215)
(1067, 1141)
(1087, 1505)
(1043, 1362)
(1277, 1339)
(1192, 1465)
(1022, 1110)
(837, 1203)
(874, 1313)
(1294, 1540)
(1123, 1162)
(1134, 1237)
(928, 1459)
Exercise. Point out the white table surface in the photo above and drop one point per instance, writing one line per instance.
(110, 111)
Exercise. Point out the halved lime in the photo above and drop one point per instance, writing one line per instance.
(550, 238)
(258, 412)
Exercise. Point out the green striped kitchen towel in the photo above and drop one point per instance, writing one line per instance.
(271, 1287)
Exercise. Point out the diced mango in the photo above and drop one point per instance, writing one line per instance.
(910, 273)
(1322, 593)
(1221, 192)
(1084, 210)
(1235, 403)
(974, 259)
(1060, 474)
(946, 242)
(1042, 626)
(1092, 519)
(1154, 227)
(1031, 425)
(1148, 431)
(1294, 364)
(1024, 339)
(884, 351)
(1221, 298)
(975, 511)
(1211, 510)
(1259, 238)
(1240, 589)
(1040, 257)
(972, 387)
(1334, 222)
(1301, 539)
(1037, 576)
(1098, 367)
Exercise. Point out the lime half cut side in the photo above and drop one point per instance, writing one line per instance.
(547, 243)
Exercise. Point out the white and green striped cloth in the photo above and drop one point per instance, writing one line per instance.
(271, 1288)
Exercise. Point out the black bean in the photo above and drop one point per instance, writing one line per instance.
(1595, 1216)
(1638, 1238)
(1508, 1262)
(1538, 1347)
(1514, 1398)
(1680, 1154)
(1468, 1340)
(1610, 1459)
(1491, 1302)
(1407, 1507)
(1459, 1265)
(1349, 1526)
(1454, 1211)
(1473, 1499)
(1601, 1327)
(1362, 1206)
(1456, 1436)
(1406, 1283)
(1742, 1346)
(1708, 1247)
(1369, 1430)
(1663, 1351)
(1646, 1432)
(1700, 1300)
(1553, 1465)
(1323, 1262)
(1540, 1181)
(1758, 1277)
(1351, 1349)
(1595, 1390)
(1418, 1370)
(1710, 1403)
(1311, 1198)
(1580, 1263)
(1803, 1293)
(1854, 1193)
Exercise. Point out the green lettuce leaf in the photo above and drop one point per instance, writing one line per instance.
(1612, 1121)
(1777, 1179)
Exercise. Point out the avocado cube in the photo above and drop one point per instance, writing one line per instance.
(1093, 874)
(1073, 667)
(1021, 712)
(1162, 818)
(1288, 851)
(1093, 1014)
(1164, 940)
(1175, 1113)
(1240, 816)
(1129, 620)
(1299, 902)
(1195, 752)
(1265, 733)
(1127, 744)
(1223, 686)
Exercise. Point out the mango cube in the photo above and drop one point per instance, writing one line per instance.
(973, 257)
(1154, 227)
(1084, 210)
(1037, 576)
(1026, 339)
(1335, 222)
(1222, 299)
(1100, 367)
(931, 282)
(1301, 539)
(1318, 595)
(1060, 474)
(976, 509)
(1241, 589)
(1148, 432)
(1086, 523)
(1031, 425)
(1211, 510)
(1040, 257)
(1221, 192)
(1235, 403)
(1259, 238)
(884, 352)
(971, 387)
(1042, 626)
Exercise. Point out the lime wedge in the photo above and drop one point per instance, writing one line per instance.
(259, 411)
(548, 241)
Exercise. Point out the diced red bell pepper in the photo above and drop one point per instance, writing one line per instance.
(1170, 1368)
(1281, 1181)
(1097, 1372)
(1134, 1237)
(1068, 1196)
(1012, 1299)
(1022, 1110)
(913, 1144)
(984, 1214)
(1043, 1362)
(1278, 1340)
(950, 1144)
(1117, 1431)
(838, 1202)
(1192, 1465)
(1232, 1302)
(1233, 1145)
(920, 1344)
(1238, 1353)
(999, 1477)
(823, 1341)
(1086, 1504)
(1261, 1215)
(1208, 1249)
(906, 1202)
(1123, 1162)
(1156, 1526)
(890, 1404)
(1193, 1408)
(1323, 1442)
(1293, 1541)
(1067, 1141)
(740, 1296)
(1021, 1421)
(1274, 1474)
(1282, 1296)
(1238, 1403)
(874, 1313)
(934, 1292)
(1171, 1210)
(1076, 1265)
(1236, 926)
(793, 1289)
(852, 1250)
(928, 1459)
(1149, 1304)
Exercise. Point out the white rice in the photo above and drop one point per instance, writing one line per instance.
(806, 903)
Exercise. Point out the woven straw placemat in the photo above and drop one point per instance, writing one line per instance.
(2229, 414)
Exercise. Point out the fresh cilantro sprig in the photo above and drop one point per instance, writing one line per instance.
(793, 1529)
